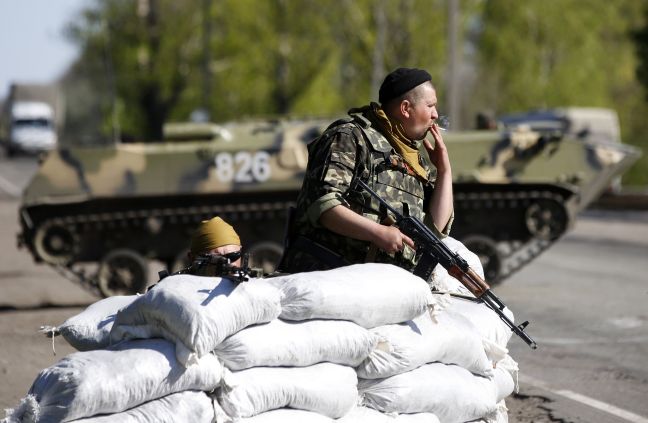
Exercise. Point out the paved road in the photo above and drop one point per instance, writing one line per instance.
(585, 297)
(587, 300)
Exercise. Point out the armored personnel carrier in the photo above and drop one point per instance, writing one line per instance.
(519, 188)
(101, 215)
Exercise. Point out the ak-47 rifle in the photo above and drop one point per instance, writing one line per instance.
(209, 264)
(432, 250)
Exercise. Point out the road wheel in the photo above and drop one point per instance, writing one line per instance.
(546, 219)
(489, 256)
(122, 272)
(56, 244)
(265, 255)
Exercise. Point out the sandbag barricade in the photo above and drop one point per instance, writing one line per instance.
(364, 343)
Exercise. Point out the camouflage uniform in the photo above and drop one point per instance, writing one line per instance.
(352, 148)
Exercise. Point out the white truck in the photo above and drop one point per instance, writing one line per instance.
(30, 119)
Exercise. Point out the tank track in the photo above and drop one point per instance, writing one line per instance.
(152, 220)
(516, 253)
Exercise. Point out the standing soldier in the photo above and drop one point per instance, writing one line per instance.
(334, 224)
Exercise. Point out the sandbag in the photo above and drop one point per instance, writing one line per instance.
(113, 380)
(485, 320)
(446, 338)
(280, 415)
(282, 343)
(369, 415)
(451, 393)
(369, 294)
(325, 388)
(441, 279)
(500, 416)
(187, 406)
(90, 329)
(196, 312)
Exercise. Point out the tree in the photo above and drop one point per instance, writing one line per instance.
(143, 55)
(265, 58)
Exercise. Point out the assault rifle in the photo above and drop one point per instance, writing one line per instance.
(209, 264)
(432, 251)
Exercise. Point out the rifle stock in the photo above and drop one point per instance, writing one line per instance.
(429, 244)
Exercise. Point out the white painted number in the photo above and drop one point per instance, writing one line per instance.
(243, 166)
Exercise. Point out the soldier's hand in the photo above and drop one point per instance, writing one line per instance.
(391, 240)
(439, 153)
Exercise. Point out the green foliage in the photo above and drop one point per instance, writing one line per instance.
(265, 58)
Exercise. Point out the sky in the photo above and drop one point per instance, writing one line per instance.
(33, 48)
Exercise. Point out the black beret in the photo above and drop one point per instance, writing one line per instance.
(401, 81)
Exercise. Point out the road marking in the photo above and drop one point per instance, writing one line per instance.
(598, 341)
(583, 399)
(9, 188)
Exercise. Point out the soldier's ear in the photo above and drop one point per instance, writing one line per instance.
(405, 108)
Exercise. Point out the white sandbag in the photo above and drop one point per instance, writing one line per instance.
(500, 416)
(196, 312)
(186, 406)
(325, 388)
(451, 393)
(283, 343)
(442, 281)
(280, 415)
(485, 320)
(113, 380)
(90, 329)
(362, 414)
(446, 338)
(368, 294)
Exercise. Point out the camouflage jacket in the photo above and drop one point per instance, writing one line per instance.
(352, 148)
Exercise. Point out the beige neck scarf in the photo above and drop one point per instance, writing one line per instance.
(393, 131)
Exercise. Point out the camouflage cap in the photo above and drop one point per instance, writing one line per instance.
(212, 234)
(401, 81)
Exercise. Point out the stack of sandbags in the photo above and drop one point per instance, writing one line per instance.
(441, 364)
(363, 343)
(300, 367)
(133, 374)
(461, 367)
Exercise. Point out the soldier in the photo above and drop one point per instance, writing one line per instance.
(217, 237)
(334, 224)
